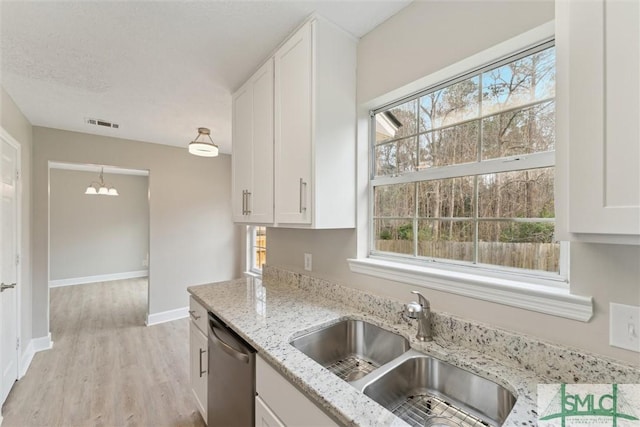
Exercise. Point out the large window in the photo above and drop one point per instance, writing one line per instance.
(463, 172)
(256, 248)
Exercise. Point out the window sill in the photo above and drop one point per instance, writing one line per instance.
(539, 298)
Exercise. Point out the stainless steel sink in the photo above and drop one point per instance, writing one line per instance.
(352, 349)
(425, 391)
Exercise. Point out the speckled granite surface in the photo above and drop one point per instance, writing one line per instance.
(290, 304)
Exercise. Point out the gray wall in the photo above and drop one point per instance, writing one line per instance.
(14, 122)
(97, 235)
(192, 237)
(401, 50)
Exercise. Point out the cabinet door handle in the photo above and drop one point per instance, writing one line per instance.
(303, 187)
(192, 313)
(248, 209)
(201, 371)
(4, 287)
(244, 202)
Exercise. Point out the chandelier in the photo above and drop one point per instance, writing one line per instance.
(101, 188)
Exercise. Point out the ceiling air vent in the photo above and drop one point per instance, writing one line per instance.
(103, 123)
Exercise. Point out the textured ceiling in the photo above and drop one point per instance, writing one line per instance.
(158, 69)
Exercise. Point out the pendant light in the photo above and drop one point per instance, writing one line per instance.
(101, 188)
(203, 148)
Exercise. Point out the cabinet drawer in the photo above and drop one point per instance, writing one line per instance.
(198, 315)
(264, 416)
(288, 403)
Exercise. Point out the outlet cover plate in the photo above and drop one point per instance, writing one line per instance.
(624, 326)
(307, 262)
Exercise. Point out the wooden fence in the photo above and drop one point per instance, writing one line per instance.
(532, 256)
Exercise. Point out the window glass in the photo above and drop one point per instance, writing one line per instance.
(256, 248)
(461, 202)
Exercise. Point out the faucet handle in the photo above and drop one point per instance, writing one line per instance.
(423, 301)
(413, 310)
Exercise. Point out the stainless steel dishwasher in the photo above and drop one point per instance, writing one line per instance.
(232, 372)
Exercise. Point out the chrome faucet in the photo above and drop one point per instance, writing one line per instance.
(421, 311)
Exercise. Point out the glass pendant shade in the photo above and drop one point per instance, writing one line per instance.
(100, 188)
(203, 148)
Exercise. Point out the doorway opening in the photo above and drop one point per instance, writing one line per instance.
(98, 245)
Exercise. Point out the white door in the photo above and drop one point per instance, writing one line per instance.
(8, 268)
(199, 366)
(293, 109)
(261, 197)
(241, 149)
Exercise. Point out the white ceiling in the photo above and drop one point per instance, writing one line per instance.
(159, 69)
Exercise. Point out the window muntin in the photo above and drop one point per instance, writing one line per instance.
(256, 248)
(463, 172)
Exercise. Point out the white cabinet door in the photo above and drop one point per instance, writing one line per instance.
(198, 368)
(252, 160)
(264, 416)
(260, 199)
(293, 132)
(285, 401)
(603, 113)
(241, 159)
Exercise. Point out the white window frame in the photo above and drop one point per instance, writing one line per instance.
(545, 293)
(250, 256)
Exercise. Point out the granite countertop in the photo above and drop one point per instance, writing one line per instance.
(270, 315)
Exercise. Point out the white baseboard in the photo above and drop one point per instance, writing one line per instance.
(34, 346)
(25, 360)
(98, 278)
(167, 316)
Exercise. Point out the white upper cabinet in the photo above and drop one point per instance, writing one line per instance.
(293, 100)
(252, 159)
(315, 128)
(598, 119)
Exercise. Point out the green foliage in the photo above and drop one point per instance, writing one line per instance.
(385, 234)
(405, 232)
(401, 232)
(528, 232)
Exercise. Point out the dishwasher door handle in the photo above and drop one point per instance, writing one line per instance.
(242, 357)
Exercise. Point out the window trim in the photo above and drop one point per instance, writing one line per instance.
(250, 255)
(537, 293)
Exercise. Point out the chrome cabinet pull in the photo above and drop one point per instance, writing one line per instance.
(193, 314)
(201, 371)
(248, 210)
(4, 287)
(303, 184)
(244, 202)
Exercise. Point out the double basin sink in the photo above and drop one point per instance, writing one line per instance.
(420, 389)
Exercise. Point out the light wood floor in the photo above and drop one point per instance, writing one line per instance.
(106, 367)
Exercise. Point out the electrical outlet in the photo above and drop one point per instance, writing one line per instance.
(307, 262)
(624, 326)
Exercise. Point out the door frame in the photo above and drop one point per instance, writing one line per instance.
(6, 136)
(94, 168)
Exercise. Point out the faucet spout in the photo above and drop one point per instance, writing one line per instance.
(423, 316)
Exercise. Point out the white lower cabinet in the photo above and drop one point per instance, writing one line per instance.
(198, 364)
(279, 403)
(264, 416)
